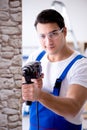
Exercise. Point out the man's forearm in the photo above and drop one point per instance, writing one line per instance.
(62, 106)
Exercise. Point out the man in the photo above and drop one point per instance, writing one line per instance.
(50, 109)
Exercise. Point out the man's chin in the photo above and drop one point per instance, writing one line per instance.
(51, 52)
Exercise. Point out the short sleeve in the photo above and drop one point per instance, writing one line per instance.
(78, 73)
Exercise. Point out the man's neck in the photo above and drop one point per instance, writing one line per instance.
(65, 53)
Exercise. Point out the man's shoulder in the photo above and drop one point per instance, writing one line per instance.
(35, 54)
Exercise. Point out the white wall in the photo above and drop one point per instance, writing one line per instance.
(77, 12)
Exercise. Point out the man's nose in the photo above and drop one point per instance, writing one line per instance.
(48, 39)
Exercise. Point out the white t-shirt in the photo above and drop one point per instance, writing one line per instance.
(52, 70)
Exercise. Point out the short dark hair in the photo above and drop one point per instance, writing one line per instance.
(50, 16)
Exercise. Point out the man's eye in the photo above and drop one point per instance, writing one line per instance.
(42, 36)
(54, 33)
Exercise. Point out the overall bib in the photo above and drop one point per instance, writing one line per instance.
(42, 118)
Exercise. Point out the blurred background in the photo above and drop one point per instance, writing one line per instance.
(75, 15)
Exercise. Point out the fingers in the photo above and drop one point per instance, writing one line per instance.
(30, 91)
(27, 92)
(37, 82)
(42, 75)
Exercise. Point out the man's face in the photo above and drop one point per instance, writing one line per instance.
(52, 38)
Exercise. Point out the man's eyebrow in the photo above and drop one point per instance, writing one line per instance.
(53, 31)
(50, 32)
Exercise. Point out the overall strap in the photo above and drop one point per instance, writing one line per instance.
(64, 73)
(59, 80)
(39, 57)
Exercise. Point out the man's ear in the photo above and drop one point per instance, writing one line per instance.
(65, 31)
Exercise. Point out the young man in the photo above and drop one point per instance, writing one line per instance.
(56, 106)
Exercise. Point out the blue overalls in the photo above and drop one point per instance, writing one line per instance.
(42, 118)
